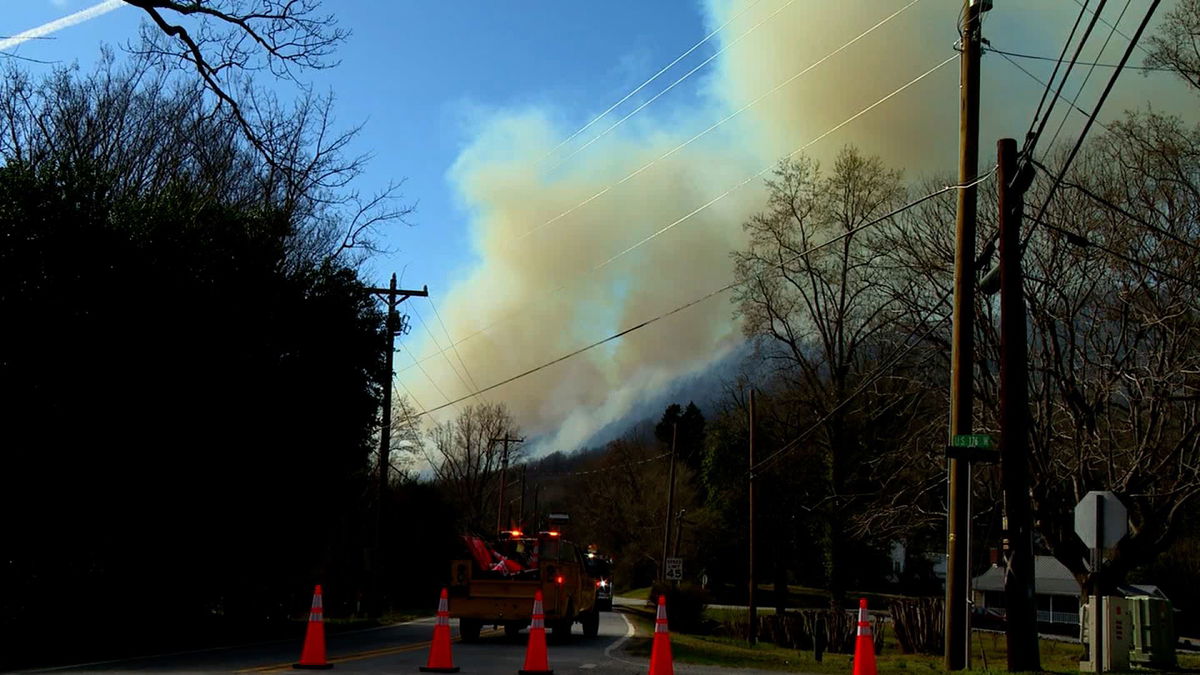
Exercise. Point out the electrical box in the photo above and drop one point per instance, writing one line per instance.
(1116, 629)
(1153, 632)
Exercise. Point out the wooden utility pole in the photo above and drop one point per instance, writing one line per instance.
(670, 505)
(396, 325)
(1020, 605)
(521, 508)
(503, 477)
(958, 553)
(752, 634)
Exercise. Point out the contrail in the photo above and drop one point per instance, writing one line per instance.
(59, 24)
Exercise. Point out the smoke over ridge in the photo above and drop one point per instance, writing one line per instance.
(539, 296)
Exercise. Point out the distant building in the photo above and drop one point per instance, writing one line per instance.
(1056, 590)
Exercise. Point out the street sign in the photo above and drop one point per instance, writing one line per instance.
(972, 441)
(1116, 519)
(674, 569)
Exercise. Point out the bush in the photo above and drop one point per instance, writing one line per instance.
(685, 605)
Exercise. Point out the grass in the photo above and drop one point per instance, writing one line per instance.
(636, 593)
(988, 652)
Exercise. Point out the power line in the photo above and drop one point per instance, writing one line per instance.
(1029, 135)
(452, 344)
(879, 373)
(671, 86)
(703, 133)
(718, 291)
(1092, 117)
(1035, 78)
(697, 210)
(1081, 241)
(1106, 23)
(1031, 141)
(775, 164)
(431, 380)
(1091, 69)
(1117, 209)
(1019, 55)
(436, 345)
(653, 77)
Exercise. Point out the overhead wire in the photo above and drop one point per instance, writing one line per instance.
(1029, 135)
(704, 206)
(703, 133)
(1081, 241)
(437, 345)
(1091, 118)
(1035, 78)
(876, 376)
(652, 78)
(671, 86)
(449, 339)
(1123, 212)
(722, 289)
(1106, 23)
(1019, 55)
(1091, 69)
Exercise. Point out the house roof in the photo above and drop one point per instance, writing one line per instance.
(1051, 577)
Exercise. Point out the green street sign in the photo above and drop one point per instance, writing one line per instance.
(972, 441)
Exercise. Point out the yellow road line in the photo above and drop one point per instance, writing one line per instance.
(358, 656)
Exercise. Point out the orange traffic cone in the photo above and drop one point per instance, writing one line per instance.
(537, 661)
(313, 656)
(440, 660)
(660, 654)
(864, 646)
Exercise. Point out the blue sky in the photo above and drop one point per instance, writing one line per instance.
(463, 100)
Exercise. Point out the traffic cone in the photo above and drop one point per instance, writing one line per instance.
(313, 656)
(864, 645)
(440, 660)
(660, 655)
(537, 661)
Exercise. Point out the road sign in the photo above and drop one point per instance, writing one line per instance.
(972, 441)
(674, 569)
(1116, 519)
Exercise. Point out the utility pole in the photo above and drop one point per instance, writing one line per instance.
(396, 325)
(1020, 606)
(521, 507)
(958, 553)
(503, 477)
(752, 634)
(670, 504)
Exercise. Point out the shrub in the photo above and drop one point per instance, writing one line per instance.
(685, 605)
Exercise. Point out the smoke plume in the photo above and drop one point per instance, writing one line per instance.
(542, 289)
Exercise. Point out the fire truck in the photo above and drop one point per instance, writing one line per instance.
(496, 583)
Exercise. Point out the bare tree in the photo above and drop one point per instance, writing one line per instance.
(223, 39)
(1176, 45)
(829, 317)
(467, 462)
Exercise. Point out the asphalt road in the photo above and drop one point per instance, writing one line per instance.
(399, 648)
(404, 647)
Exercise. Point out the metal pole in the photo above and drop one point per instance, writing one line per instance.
(1098, 622)
(961, 385)
(1020, 604)
(753, 607)
(670, 504)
